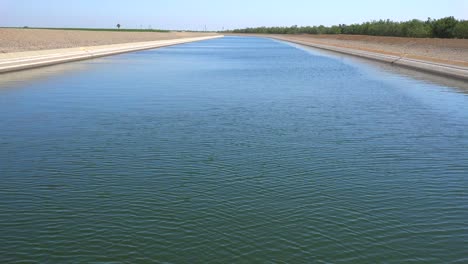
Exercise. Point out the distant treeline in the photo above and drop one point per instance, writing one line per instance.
(447, 27)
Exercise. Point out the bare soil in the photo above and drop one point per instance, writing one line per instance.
(16, 40)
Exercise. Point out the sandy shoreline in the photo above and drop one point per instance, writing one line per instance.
(18, 40)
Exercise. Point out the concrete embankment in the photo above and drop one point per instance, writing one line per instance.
(442, 69)
(32, 59)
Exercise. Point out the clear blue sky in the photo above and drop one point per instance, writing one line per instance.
(216, 14)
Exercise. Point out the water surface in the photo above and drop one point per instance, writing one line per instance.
(231, 150)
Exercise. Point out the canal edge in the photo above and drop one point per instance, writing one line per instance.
(445, 70)
(19, 61)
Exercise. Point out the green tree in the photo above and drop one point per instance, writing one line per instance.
(447, 27)
(416, 29)
(443, 28)
(461, 29)
(334, 30)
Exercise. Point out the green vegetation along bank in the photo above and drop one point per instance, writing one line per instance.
(447, 27)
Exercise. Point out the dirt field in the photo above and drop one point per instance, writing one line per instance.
(15, 40)
(449, 51)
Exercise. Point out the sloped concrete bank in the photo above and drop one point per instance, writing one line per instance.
(33, 59)
(446, 70)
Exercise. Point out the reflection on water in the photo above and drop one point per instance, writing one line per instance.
(29, 77)
(231, 150)
(460, 85)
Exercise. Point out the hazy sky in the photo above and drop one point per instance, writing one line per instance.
(216, 14)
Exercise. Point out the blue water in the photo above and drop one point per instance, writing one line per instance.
(231, 150)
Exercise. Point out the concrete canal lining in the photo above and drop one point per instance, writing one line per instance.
(451, 71)
(33, 59)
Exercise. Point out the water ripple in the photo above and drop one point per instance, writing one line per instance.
(232, 150)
